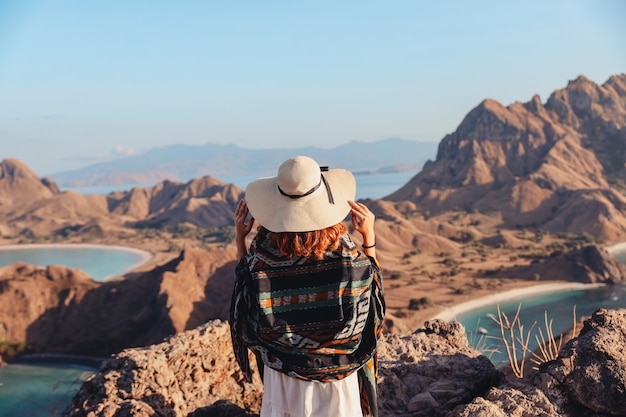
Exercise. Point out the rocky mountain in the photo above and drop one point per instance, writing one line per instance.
(184, 162)
(35, 207)
(431, 372)
(19, 184)
(558, 166)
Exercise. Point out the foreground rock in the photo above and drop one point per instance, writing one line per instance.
(184, 374)
(588, 378)
(433, 372)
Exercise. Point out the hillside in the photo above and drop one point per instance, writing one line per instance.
(59, 309)
(558, 166)
(184, 162)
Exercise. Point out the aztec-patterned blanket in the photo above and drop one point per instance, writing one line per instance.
(310, 319)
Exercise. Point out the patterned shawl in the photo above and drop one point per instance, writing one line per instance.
(310, 319)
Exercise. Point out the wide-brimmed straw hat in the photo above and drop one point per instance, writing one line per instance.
(303, 197)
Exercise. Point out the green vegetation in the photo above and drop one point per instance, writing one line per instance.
(420, 303)
(11, 349)
(414, 252)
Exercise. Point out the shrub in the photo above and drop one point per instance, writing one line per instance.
(420, 303)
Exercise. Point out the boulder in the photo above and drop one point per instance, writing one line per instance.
(591, 368)
(187, 373)
(431, 371)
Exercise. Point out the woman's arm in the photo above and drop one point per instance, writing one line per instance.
(242, 228)
(363, 222)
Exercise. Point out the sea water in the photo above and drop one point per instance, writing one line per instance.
(42, 390)
(100, 262)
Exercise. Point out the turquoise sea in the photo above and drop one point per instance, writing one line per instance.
(100, 262)
(42, 390)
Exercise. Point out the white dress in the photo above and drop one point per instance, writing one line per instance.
(291, 397)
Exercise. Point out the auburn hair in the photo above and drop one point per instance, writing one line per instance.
(314, 243)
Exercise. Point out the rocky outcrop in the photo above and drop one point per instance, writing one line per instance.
(589, 264)
(434, 369)
(433, 372)
(61, 310)
(205, 202)
(558, 166)
(186, 374)
(588, 378)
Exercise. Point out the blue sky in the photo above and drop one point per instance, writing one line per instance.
(88, 81)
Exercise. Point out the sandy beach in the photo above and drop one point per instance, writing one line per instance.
(452, 312)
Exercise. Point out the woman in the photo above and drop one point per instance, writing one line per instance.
(306, 301)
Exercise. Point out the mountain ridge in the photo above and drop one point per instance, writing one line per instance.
(184, 162)
(536, 164)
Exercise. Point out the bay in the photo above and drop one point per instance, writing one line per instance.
(99, 261)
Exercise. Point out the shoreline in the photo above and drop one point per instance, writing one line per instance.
(450, 313)
(616, 248)
(144, 255)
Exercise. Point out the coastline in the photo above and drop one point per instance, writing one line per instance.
(144, 255)
(451, 313)
(617, 248)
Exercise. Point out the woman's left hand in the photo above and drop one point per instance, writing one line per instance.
(241, 213)
(242, 228)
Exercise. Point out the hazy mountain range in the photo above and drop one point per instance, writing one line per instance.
(184, 162)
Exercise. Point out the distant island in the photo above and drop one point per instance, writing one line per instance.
(186, 162)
